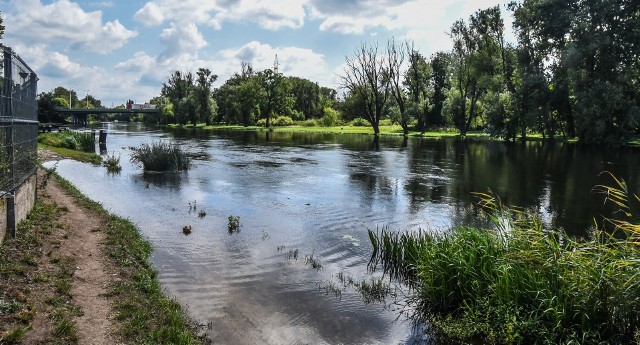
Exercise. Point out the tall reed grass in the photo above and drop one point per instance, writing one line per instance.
(160, 156)
(519, 283)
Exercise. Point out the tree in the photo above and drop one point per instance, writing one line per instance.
(274, 95)
(47, 105)
(1, 26)
(176, 89)
(417, 80)
(366, 77)
(395, 62)
(205, 104)
(476, 49)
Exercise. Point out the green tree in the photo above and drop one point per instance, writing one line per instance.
(1, 26)
(476, 55)
(275, 94)
(177, 89)
(206, 105)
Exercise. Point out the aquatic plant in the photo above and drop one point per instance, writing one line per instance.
(233, 225)
(314, 262)
(293, 254)
(112, 163)
(518, 282)
(202, 214)
(160, 156)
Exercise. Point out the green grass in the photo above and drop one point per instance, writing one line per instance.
(80, 156)
(80, 141)
(22, 271)
(518, 284)
(112, 163)
(145, 314)
(160, 156)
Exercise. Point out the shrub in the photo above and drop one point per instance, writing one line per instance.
(385, 122)
(261, 123)
(282, 121)
(330, 117)
(310, 123)
(160, 156)
(69, 140)
(359, 122)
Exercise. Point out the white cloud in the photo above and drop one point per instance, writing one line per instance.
(181, 40)
(268, 14)
(293, 61)
(65, 21)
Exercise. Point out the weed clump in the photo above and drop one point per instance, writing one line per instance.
(112, 163)
(518, 282)
(233, 225)
(160, 156)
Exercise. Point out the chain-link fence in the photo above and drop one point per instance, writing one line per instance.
(18, 125)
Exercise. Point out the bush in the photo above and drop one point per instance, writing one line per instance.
(160, 156)
(330, 117)
(359, 122)
(80, 141)
(282, 121)
(310, 123)
(385, 122)
(261, 123)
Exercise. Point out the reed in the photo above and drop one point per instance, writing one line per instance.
(160, 156)
(112, 163)
(519, 282)
(233, 224)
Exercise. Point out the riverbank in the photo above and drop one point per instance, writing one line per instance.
(77, 274)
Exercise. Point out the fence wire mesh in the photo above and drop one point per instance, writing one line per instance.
(18, 121)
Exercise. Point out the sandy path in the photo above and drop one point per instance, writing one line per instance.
(84, 235)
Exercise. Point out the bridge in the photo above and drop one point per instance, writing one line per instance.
(79, 116)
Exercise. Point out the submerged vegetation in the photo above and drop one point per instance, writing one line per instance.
(160, 156)
(112, 163)
(233, 225)
(520, 283)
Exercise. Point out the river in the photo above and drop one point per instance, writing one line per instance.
(317, 194)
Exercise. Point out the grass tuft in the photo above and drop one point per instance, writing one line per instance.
(517, 283)
(160, 156)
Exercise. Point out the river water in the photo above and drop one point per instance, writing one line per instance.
(317, 194)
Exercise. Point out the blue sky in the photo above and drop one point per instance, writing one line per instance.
(121, 50)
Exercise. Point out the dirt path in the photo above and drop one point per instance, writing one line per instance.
(78, 242)
(89, 286)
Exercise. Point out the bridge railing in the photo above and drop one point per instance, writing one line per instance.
(18, 129)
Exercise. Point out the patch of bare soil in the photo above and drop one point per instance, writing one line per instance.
(75, 239)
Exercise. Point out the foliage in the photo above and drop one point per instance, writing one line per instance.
(81, 141)
(233, 225)
(112, 163)
(160, 156)
(329, 117)
(519, 283)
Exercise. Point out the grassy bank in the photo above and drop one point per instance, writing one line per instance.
(146, 315)
(30, 275)
(86, 157)
(519, 283)
(143, 315)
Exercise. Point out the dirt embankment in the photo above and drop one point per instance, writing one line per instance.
(54, 276)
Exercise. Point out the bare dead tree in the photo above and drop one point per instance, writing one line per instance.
(366, 75)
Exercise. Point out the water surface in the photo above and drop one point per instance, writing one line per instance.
(319, 193)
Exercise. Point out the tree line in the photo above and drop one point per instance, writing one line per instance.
(573, 71)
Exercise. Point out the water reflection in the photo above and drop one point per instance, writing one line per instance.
(318, 194)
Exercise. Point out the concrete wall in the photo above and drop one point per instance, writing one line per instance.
(25, 199)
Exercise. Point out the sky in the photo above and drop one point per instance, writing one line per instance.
(126, 49)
